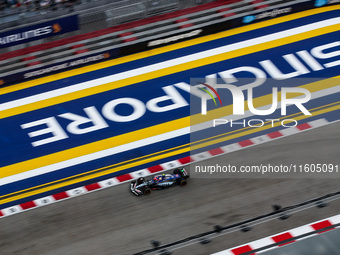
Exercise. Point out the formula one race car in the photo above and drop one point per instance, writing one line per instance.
(141, 186)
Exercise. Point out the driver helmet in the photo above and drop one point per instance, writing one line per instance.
(140, 180)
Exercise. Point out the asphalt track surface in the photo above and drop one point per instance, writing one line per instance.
(113, 221)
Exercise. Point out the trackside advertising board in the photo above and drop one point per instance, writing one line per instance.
(39, 31)
(165, 40)
(238, 21)
(59, 67)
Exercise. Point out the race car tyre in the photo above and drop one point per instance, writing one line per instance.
(147, 191)
(183, 182)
